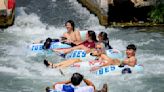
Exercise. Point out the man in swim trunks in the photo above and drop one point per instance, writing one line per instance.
(73, 85)
(130, 60)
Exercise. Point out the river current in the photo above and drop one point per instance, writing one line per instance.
(23, 71)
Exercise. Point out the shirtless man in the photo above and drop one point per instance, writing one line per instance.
(86, 45)
(72, 35)
(130, 60)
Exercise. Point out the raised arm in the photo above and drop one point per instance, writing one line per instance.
(106, 58)
(89, 83)
(130, 61)
(108, 62)
(64, 82)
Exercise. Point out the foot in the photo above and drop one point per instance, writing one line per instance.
(46, 63)
(49, 64)
(47, 89)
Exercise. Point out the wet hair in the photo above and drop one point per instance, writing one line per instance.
(101, 44)
(72, 24)
(76, 79)
(92, 35)
(47, 43)
(131, 46)
(104, 35)
(126, 71)
(105, 39)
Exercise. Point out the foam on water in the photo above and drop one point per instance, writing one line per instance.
(28, 27)
(16, 59)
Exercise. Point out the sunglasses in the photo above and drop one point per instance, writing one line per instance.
(98, 49)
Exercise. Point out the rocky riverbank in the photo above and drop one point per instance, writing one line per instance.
(124, 13)
(97, 7)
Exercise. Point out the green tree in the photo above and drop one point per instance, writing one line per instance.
(157, 13)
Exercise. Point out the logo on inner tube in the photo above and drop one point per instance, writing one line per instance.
(79, 54)
(38, 47)
(106, 69)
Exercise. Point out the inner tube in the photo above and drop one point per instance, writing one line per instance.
(54, 45)
(115, 69)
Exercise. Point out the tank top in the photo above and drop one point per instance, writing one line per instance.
(89, 44)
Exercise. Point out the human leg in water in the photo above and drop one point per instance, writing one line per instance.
(50, 64)
(62, 64)
(65, 51)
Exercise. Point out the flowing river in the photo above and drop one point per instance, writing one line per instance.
(22, 71)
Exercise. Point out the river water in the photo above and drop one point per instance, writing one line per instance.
(22, 71)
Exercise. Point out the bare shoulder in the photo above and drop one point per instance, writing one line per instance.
(77, 31)
(103, 56)
(65, 34)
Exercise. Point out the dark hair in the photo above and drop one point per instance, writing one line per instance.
(104, 35)
(72, 24)
(131, 46)
(105, 39)
(126, 71)
(76, 79)
(92, 35)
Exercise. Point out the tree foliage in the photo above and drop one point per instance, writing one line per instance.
(157, 13)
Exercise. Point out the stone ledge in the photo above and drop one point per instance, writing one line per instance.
(96, 8)
(134, 24)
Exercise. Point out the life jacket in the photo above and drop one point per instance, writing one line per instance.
(68, 88)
